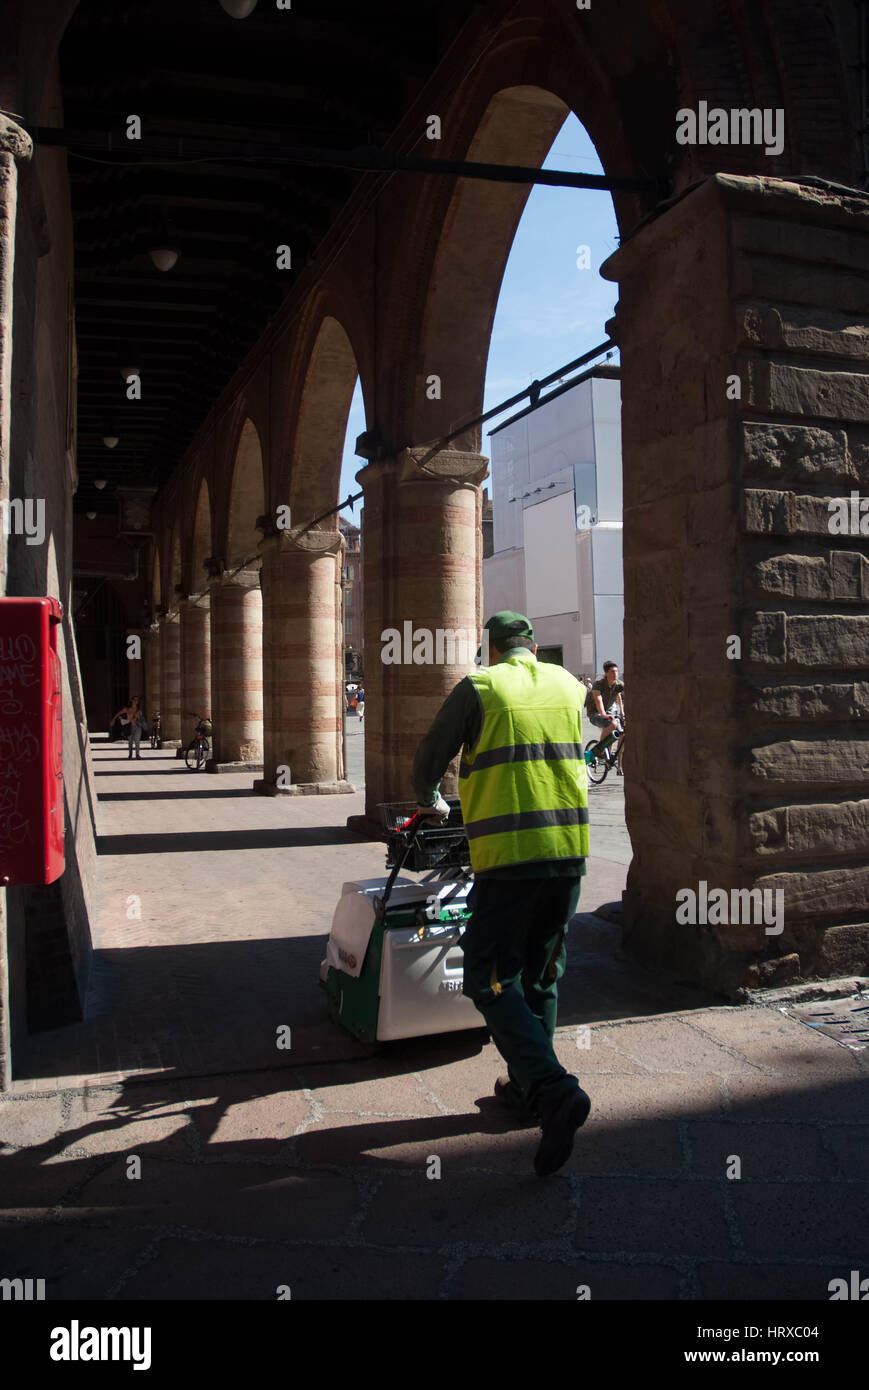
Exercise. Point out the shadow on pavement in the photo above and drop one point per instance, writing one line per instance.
(195, 841)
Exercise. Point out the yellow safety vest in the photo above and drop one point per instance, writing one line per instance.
(523, 786)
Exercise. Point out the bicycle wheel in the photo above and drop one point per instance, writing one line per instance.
(201, 754)
(191, 756)
(598, 769)
(619, 763)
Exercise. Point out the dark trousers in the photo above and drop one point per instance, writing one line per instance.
(515, 950)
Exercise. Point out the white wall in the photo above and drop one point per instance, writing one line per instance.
(607, 406)
(550, 557)
(504, 583)
(562, 456)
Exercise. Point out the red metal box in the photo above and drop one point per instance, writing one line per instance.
(31, 742)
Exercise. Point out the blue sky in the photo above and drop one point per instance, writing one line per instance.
(549, 311)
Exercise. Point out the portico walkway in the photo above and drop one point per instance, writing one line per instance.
(263, 1168)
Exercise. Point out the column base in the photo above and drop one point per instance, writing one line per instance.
(264, 788)
(367, 826)
(213, 766)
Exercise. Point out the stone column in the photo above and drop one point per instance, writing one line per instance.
(195, 658)
(153, 667)
(423, 574)
(170, 678)
(743, 323)
(302, 664)
(236, 671)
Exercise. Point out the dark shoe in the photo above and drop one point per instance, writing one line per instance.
(559, 1131)
(510, 1096)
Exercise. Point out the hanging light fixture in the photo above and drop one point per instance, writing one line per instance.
(91, 516)
(110, 440)
(127, 372)
(238, 9)
(99, 483)
(164, 257)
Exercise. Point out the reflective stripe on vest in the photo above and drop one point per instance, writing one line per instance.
(523, 786)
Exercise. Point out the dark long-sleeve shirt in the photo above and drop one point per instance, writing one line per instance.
(457, 724)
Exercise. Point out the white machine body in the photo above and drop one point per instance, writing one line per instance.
(421, 967)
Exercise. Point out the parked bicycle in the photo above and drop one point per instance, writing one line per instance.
(156, 731)
(603, 761)
(199, 749)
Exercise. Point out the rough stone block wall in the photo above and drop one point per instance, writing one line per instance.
(744, 327)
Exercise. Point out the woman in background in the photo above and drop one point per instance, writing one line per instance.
(132, 717)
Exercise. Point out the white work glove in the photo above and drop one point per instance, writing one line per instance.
(440, 810)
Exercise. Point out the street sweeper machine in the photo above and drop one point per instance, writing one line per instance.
(394, 962)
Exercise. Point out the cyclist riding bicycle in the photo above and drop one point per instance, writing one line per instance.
(603, 704)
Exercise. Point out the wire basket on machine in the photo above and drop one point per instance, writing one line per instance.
(435, 844)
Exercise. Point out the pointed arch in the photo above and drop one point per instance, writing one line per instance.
(318, 443)
(518, 127)
(201, 540)
(246, 497)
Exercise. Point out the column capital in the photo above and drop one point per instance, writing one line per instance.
(235, 579)
(755, 194)
(297, 541)
(420, 465)
(14, 140)
(447, 465)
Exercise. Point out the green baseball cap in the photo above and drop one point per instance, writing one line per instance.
(504, 625)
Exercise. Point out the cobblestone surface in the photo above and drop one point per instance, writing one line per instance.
(348, 1174)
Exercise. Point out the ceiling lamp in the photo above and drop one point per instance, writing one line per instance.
(91, 516)
(110, 440)
(99, 483)
(127, 372)
(238, 9)
(164, 257)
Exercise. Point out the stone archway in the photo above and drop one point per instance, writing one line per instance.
(744, 390)
(196, 616)
(236, 614)
(302, 590)
(246, 497)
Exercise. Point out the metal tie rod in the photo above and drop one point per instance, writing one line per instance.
(367, 159)
(532, 391)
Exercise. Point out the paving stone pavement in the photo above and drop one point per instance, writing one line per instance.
(353, 1173)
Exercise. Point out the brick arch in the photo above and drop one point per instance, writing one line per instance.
(624, 71)
(518, 126)
(245, 497)
(175, 569)
(734, 767)
(298, 363)
(200, 539)
(321, 424)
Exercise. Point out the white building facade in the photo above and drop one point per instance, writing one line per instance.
(557, 492)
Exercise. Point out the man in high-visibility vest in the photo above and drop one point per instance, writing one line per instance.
(524, 795)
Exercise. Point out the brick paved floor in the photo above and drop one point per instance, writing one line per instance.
(310, 1169)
